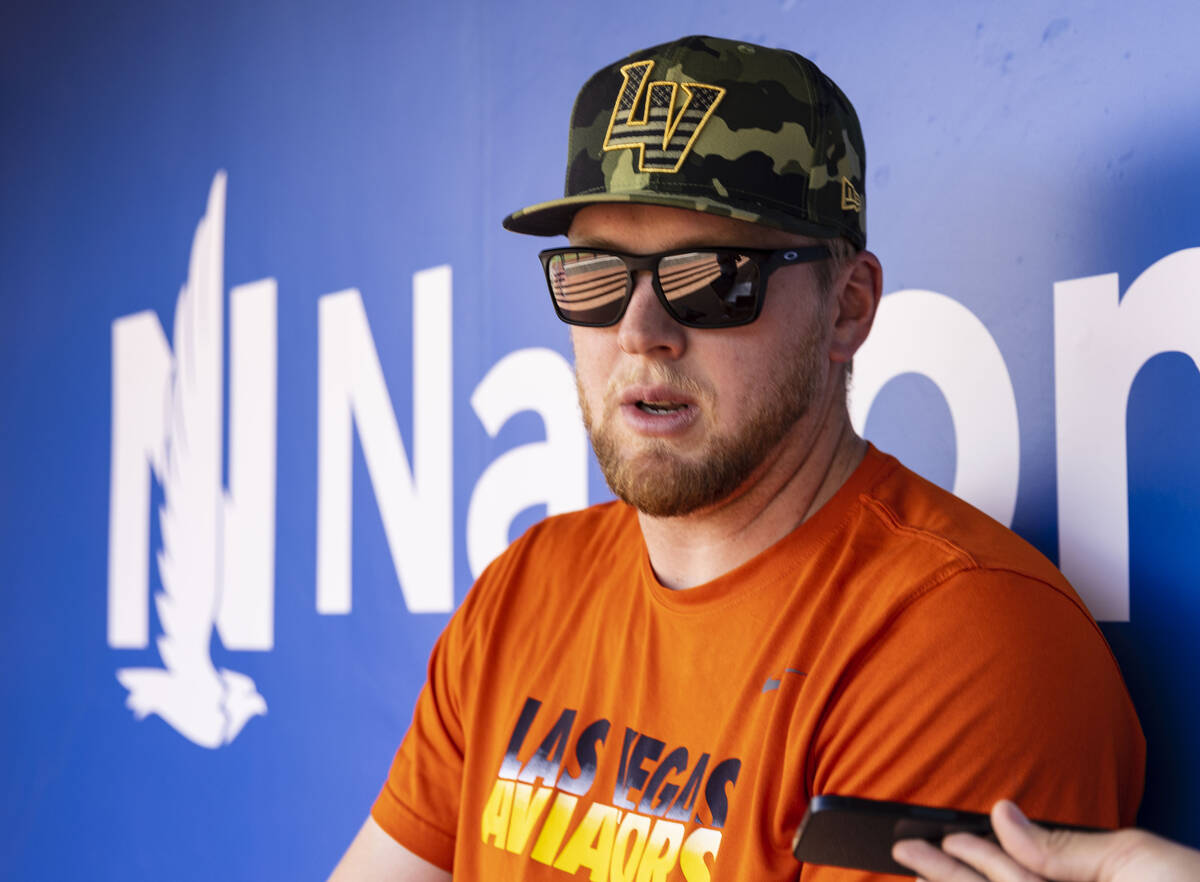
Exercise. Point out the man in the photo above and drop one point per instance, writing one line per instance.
(651, 689)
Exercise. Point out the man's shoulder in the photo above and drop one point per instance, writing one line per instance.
(932, 523)
(916, 546)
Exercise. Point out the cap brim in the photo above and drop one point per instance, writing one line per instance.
(554, 218)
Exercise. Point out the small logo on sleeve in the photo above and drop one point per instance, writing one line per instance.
(773, 683)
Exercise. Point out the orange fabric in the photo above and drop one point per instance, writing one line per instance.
(580, 719)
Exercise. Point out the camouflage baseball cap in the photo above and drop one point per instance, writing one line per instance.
(717, 126)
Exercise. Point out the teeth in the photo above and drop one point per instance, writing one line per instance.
(660, 408)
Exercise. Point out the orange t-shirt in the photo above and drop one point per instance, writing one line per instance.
(581, 719)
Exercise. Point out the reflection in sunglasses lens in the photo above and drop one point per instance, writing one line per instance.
(699, 288)
(588, 288)
(709, 289)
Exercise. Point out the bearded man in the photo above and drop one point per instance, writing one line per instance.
(652, 688)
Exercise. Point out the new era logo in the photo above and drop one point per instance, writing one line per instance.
(851, 199)
(661, 133)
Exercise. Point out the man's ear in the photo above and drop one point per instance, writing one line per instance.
(858, 288)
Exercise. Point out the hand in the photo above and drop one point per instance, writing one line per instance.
(1031, 854)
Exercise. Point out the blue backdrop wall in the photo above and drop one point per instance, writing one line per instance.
(276, 384)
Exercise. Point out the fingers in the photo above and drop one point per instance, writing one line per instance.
(931, 863)
(987, 858)
(1123, 856)
(1028, 853)
(1057, 854)
(962, 858)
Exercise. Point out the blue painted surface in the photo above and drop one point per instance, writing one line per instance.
(1008, 148)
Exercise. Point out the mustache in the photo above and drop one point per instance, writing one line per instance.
(658, 374)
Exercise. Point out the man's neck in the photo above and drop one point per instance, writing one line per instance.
(804, 472)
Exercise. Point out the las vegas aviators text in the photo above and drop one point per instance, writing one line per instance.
(640, 833)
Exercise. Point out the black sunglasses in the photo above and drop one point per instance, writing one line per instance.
(698, 287)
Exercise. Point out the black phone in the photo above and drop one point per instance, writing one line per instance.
(846, 831)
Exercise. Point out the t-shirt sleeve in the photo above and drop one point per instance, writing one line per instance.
(990, 685)
(418, 805)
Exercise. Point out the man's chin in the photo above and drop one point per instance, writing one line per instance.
(662, 485)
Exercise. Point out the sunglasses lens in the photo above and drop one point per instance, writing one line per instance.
(588, 288)
(710, 289)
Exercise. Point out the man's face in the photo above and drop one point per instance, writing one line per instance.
(682, 418)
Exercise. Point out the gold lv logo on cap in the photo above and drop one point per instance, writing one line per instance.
(663, 135)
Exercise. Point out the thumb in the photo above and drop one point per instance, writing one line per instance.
(1063, 855)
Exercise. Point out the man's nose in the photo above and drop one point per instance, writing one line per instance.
(647, 328)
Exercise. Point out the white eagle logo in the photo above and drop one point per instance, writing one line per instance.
(206, 705)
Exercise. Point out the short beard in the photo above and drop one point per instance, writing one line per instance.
(661, 483)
